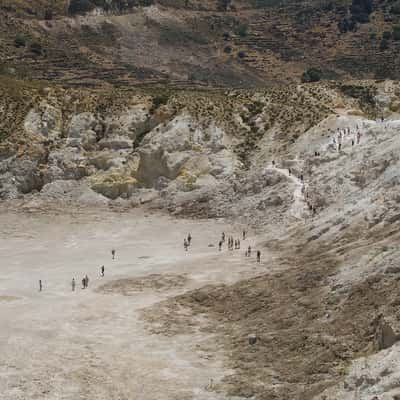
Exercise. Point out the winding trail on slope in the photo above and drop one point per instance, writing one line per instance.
(298, 207)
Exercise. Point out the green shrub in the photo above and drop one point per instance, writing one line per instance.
(48, 14)
(311, 75)
(36, 48)
(20, 40)
(160, 100)
(396, 32)
(241, 29)
(395, 9)
(80, 6)
(227, 49)
(223, 5)
(384, 45)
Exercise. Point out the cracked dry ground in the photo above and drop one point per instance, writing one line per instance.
(308, 329)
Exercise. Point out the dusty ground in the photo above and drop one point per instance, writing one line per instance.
(93, 344)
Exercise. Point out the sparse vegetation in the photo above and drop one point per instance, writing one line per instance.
(386, 35)
(241, 29)
(20, 40)
(227, 49)
(396, 32)
(384, 44)
(395, 9)
(36, 48)
(311, 75)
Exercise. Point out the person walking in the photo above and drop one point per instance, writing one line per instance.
(40, 285)
(220, 245)
(102, 270)
(185, 244)
(244, 234)
(83, 283)
(189, 239)
(258, 255)
(249, 251)
(113, 254)
(223, 237)
(73, 284)
(238, 242)
(86, 281)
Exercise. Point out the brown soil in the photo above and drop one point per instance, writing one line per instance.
(307, 330)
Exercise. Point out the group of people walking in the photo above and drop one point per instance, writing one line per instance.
(85, 279)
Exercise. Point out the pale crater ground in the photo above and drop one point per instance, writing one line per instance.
(93, 344)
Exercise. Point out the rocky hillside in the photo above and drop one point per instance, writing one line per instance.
(192, 43)
(325, 312)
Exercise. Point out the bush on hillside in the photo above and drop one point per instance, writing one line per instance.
(241, 29)
(80, 6)
(20, 40)
(223, 5)
(384, 45)
(360, 10)
(36, 48)
(48, 14)
(395, 9)
(396, 32)
(311, 75)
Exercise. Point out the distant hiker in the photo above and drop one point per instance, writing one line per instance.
(73, 284)
(352, 142)
(113, 254)
(86, 281)
(258, 255)
(83, 283)
(244, 234)
(223, 237)
(220, 245)
(249, 251)
(102, 270)
(314, 210)
(189, 239)
(235, 244)
(290, 172)
(302, 177)
(358, 137)
(40, 285)
(185, 244)
(340, 147)
(273, 163)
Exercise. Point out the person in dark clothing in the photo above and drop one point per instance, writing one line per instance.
(189, 239)
(102, 270)
(40, 285)
(258, 255)
(113, 254)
